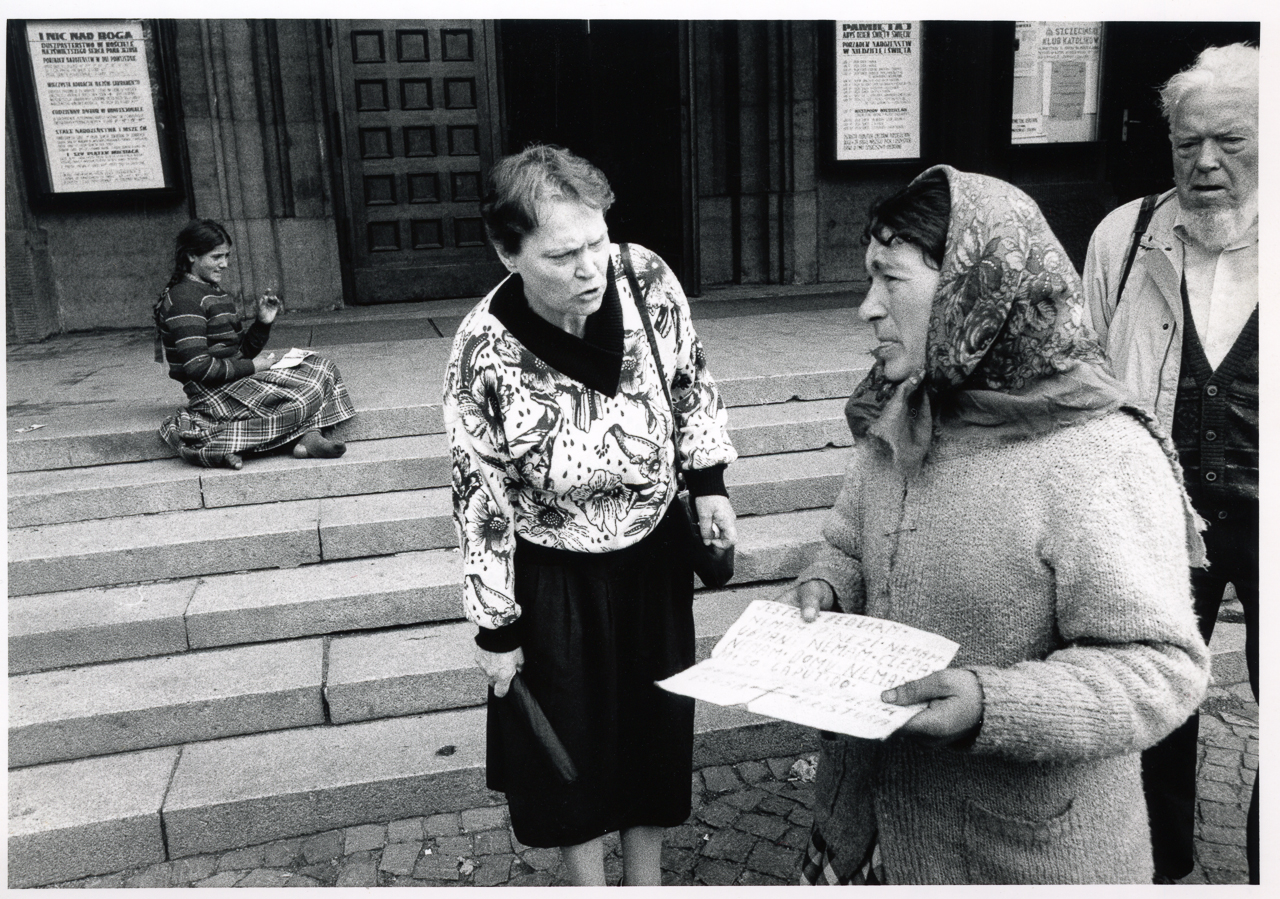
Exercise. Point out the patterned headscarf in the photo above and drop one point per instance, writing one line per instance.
(1008, 349)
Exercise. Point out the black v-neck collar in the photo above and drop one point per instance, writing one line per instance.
(593, 360)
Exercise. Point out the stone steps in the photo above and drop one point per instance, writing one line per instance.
(95, 710)
(102, 624)
(141, 548)
(74, 713)
(203, 659)
(66, 495)
(124, 429)
(291, 533)
(95, 816)
(170, 485)
(385, 758)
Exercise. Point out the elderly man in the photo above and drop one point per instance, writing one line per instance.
(1172, 289)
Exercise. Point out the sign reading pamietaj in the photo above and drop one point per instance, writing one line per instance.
(877, 90)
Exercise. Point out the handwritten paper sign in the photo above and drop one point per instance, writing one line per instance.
(828, 674)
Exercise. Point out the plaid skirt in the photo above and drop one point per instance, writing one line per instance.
(260, 412)
(821, 869)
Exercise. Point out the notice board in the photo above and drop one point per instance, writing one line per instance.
(1055, 82)
(95, 99)
(877, 74)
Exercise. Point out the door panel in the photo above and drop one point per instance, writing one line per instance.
(418, 120)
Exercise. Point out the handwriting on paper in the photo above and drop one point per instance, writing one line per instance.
(827, 674)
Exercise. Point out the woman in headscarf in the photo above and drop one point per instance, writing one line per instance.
(1002, 493)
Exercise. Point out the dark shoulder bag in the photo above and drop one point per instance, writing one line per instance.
(712, 565)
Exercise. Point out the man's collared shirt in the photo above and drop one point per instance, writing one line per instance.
(1222, 288)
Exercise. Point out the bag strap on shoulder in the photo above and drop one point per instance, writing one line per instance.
(636, 293)
(1145, 211)
(158, 314)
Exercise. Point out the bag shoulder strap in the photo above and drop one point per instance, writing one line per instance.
(638, 296)
(1145, 211)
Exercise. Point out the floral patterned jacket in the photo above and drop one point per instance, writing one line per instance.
(566, 441)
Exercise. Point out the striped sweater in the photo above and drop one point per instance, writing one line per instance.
(202, 337)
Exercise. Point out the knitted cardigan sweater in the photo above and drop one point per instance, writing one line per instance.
(1059, 565)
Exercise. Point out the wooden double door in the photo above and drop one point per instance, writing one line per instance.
(418, 130)
(426, 106)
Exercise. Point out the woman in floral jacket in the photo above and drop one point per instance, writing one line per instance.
(1002, 493)
(564, 472)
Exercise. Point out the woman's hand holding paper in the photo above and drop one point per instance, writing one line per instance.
(810, 597)
(954, 697)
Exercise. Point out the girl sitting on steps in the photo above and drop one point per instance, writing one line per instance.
(237, 401)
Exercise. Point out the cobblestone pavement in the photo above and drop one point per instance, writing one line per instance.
(749, 826)
(1228, 766)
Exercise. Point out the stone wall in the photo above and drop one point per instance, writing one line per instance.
(94, 267)
(252, 93)
(775, 208)
(253, 109)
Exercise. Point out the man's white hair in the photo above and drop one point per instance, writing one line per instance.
(1234, 67)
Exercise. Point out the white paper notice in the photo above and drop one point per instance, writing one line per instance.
(877, 90)
(1055, 82)
(96, 108)
(292, 358)
(828, 674)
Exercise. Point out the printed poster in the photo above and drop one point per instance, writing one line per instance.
(97, 116)
(877, 90)
(1055, 82)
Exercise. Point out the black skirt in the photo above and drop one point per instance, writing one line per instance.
(598, 630)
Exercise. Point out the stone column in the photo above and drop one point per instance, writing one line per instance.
(755, 133)
(30, 290)
(252, 94)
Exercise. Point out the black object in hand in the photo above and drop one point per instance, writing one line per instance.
(547, 739)
(712, 564)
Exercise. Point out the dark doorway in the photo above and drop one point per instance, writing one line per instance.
(609, 91)
(418, 121)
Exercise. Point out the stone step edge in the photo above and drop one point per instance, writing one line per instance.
(40, 452)
(52, 558)
(167, 617)
(345, 689)
(70, 849)
(810, 411)
(166, 485)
